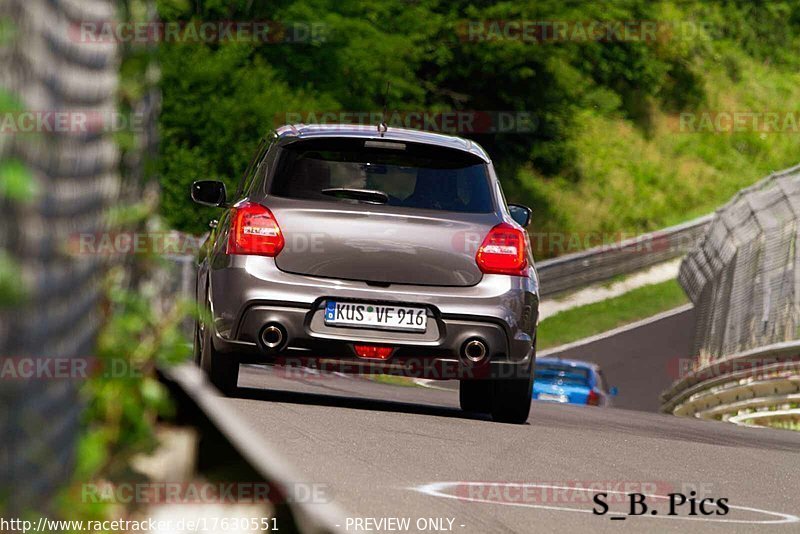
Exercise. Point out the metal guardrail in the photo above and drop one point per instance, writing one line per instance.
(197, 397)
(579, 269)
(775, 418)
(758, 384)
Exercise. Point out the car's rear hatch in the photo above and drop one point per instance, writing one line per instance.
(440, 207)
(376, 244)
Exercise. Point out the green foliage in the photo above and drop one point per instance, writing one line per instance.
(8, 31)
(124, 397)
(584, 321)
(16, 182)
(217, 105)
(11, 285)
(17, 186)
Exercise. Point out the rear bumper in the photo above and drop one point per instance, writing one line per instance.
(247, 293)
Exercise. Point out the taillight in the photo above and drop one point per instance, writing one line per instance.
(254, 230)
(593, 399)
(373, 352)
(503, 251)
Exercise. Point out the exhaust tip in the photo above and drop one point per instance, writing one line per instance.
(475, 350)
(272, 336)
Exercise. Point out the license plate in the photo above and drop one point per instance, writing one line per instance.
(376, 316)
(550, 397)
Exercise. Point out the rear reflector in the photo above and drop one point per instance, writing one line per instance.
(503, 251)
(254, 230)
(593, 399)
(373, 352)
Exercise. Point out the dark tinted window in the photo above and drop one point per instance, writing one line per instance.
(412, 175)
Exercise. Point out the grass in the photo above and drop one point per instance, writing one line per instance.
(632, 179)
(394, 380)
(584, 321)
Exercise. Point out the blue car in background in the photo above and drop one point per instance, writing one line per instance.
(571, 381)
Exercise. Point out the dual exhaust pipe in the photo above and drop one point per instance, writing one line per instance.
(273, 337)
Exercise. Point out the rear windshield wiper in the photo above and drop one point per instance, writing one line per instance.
(364, 195)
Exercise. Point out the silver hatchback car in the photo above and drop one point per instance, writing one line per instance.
(356, 249)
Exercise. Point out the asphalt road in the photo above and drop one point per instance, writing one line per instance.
(387, 451)
(641, 361)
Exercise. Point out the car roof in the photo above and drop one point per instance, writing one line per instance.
(292, 132)
(570, 363)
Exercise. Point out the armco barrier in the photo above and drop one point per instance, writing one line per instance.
(196, 397)
(573, 271)
(756, 385)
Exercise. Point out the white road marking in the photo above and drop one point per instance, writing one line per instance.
(431, 384)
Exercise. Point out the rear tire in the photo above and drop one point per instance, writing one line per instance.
(222, 369)
(474, 396)
(511, 399)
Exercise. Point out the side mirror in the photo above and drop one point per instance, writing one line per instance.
(613, 391)
(521, 214)
(209, 193)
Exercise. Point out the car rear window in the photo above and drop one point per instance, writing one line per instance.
(413, 175)
(565, 374)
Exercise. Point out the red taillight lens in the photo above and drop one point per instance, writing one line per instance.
(503, 251)
(593, 399)
(254, 230)
(373, 352)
